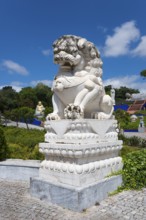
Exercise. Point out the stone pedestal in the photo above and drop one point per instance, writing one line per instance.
(79, 155)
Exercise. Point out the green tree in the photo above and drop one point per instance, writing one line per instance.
(121, 92)
(122, 117)
(143, 74)
(7, 116)
(48, 110)
(43, 94)
(28, 97)
(15, 115)
(9, 99)
(26, 114)
(3, 146)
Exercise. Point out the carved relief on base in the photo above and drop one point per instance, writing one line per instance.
(81, 131)
(80, 151)
(79, 175)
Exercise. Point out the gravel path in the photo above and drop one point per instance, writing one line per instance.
(16, 204)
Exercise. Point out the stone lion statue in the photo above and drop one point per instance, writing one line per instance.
(78, 88)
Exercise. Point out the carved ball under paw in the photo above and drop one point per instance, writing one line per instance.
(52, 116)
(72, 112)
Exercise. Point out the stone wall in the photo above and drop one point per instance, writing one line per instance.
(15, 169)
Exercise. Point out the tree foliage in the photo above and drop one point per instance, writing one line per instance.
(143, 73)
(43, 94)
(9, 99)
(122, 117)
(15, 115)
(26, 115)
(27, 97)
(120, 93)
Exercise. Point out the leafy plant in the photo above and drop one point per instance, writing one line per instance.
(17, 151)
(134, 170)
(23, 136)
(128, 149)
(3, 146)
(36, 155)
(23, 143)
(134, 141)
(122, 117)
(143, 143)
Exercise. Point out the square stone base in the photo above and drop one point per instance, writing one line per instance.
(76, 199)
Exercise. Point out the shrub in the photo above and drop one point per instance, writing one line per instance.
(143, 143)
(3, 146)
(132, 125)
(36, 155)
(128, 149)
(134, 141)
(122, 117)
(17, 151)
(24, 137)
(22, 143)
(123, 138)
(134, 170)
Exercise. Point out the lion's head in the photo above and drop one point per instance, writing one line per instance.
(76, 52)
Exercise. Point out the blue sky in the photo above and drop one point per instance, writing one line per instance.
(29, 27)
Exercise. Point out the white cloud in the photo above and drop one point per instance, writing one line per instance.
(14, 67)
(119, 43)
(46, 52)
(133, 81)
(45, 82)
(140, 50)
(17, 86)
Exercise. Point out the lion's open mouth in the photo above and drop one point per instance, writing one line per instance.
(65, 59)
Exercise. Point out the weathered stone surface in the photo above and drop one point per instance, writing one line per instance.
(74, 198)
(16, 169)
(16, 204)
(80, 152)
(79, 155)
(81, 131)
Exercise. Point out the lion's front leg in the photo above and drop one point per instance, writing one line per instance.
(91, 90)
(76, 110)
(106, 107)
(58, 108)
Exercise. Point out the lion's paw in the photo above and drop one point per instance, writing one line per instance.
(53, 116)
(100, 116)
(73, 112)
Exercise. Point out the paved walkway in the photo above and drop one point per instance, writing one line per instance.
(23, 125)
(16, 204)
(138, 134)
